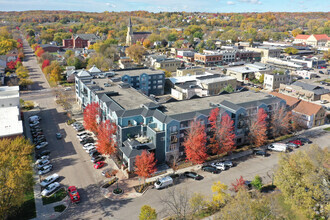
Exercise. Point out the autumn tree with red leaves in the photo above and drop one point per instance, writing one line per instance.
(223, 139)
(195, 143)
(238, 184)
(45, 64)
(91, 114)
(11, 65)
(106, 144)
(281, 120)
(145, 164)
(258, 129)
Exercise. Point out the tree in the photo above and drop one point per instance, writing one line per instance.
(223, 139)
(91, 115)
(45, 63)
(145, 164)
(291, 50)
(11, 65)
(303, 178)
(280, 122)
(146, 43)
(229, 88)
(55, 73)
(258, 129)
(220, 197)
(257, 182)
(147, 213)
(197, 202)
(7, 45)
(39, 52)
(296, 31)
(135, 52)
(22, 72)
(16, 177)
(100, 62)
(176, 203)
(297, 123)
(106, 144)
(195, 143)
(238, 184)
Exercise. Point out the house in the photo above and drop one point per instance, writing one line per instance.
(272, 81)
(133, 37)
(12, 55)
(309, 114)
(168, 64)
(126, 63)
(80, 41)
(11, 124)
(51, 48)
(315, 40)
(281, 63)
(303, 90)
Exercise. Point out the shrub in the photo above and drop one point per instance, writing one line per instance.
(28, 105)
(71, 121)
(257, 182)
(59, 208)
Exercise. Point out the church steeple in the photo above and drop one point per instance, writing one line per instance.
(129, 32)
(130, 22)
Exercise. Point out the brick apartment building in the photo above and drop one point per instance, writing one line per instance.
(80, 41)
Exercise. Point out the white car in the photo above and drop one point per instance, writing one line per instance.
(46, 157)
(90, 149)
(219, 166)
(43, 163)
(76, 124)
(86, 146)
(84, 137)
(50, 189)
(45, 169)
(41, 145)
(34, 123)
(84, 133)
(48, 180)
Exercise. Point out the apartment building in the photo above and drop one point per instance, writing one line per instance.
(273, 81)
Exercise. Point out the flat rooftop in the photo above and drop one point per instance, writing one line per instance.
(199, 104)
(128, 98)
(9, 92)
(137, 72)
(243, 69)
(9, 123)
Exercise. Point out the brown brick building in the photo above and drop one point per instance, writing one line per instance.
(208, 59)
(80, 41)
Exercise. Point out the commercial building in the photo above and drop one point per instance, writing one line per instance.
(272, 81)
(168, 64)
(10, 118)
(208, 59)
(266, 51)
(194, 70)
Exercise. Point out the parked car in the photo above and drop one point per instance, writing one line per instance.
(50, 189)
(322, 82)
(292, 145)
(90, 149)
(97, 158)
(67, 89)
(34, 118)
(278, 147)
(261, 153)
(297, 142)
(76, 124)
(87, 140)
(79, 128)
(86, 146)
(192, 175)
(50, 179)
(43, 163)
(304, 140)
(219, 166)
(34, 123)
(99, 164)
(46, 157)
(41, 145)
(228, 163)
(210, 169)
(321, 72)
(324, 101)
(58, 136)
(84, 133)
(74, 195)
(81, 138)
(163, 182)
(94, 153)
(45, 169)
(42, 153)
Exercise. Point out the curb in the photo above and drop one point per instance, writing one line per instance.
(68, 205)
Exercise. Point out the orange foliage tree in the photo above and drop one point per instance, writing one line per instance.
(223, 139)
(258, 129)
(106, 144)
(39, 52)
(91, 114)
(195, 143)
(145, 164)
(239, 183)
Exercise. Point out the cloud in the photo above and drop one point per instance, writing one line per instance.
(111, 5)
(230, 3)
(256, 2)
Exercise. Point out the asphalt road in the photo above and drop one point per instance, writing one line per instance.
(74, 166)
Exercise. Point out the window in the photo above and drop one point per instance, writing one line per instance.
(160, 77)
(173, 147)
(173, 129)
(154, 87)
(160, 81)
(160, 86)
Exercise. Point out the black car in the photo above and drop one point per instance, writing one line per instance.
(304, 140)
(321, 72)
(97, 158)
(94, 153)
(261, 153)
(193, 175)
(87, 140)
(43, 153)
(210, 169)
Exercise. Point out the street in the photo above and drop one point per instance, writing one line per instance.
(73, 164)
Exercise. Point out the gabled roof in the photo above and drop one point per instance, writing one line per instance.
(290, 101)
(94, 69)
(86, 36)
(230, 105)
(321, 36)
(306, 86)
(302, 36)
(83, 73)
(307, 108)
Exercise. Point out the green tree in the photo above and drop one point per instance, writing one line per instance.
(197, 202)
(172, 37)
(229, 88)
(303, 178)
(291, 50)
(16, 173)
(257, 182)
(147, 213)
(135, 52)
(100, 62)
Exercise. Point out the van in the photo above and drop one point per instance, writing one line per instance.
(163, 182)
(278, 147)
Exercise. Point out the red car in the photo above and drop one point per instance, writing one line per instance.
(99, 165)
(297, 142)
(74, 195)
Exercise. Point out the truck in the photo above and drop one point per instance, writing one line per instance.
(163, 182)
(278, 147)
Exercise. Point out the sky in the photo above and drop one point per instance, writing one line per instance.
(169, 5)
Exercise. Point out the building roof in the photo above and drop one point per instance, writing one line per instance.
(137, 71)
(307, 108)
(9, 123)
(306, 86)
(302, 36)
(94, 69)
(87, 36)
(321, 36)
(9, 92)
(290, 101)
(132, 148)
(83, 73)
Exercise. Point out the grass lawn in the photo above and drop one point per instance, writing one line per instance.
(59, 208)
(28, 208)
(56, 197)
(286, 210)
(327, 129)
